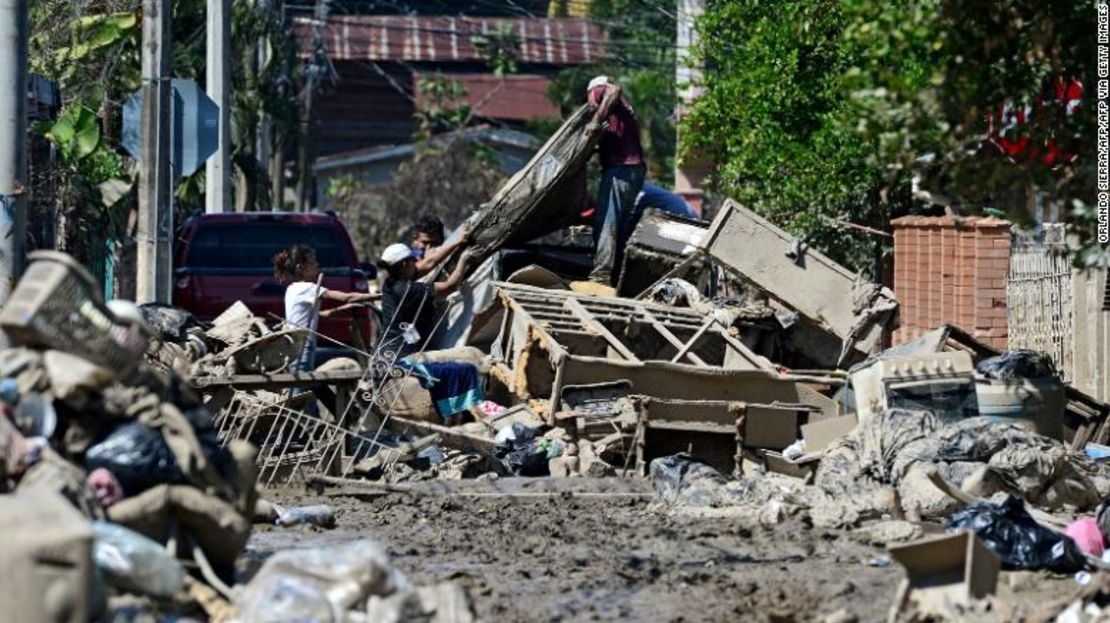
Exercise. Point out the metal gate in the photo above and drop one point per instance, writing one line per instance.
(1041, 308)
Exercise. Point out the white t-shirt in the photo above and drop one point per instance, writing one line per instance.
(300, 300)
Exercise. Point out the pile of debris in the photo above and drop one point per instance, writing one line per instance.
(740, 371)
(235, 342)
(117, 490)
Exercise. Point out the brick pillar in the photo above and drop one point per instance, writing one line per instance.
(952, 270)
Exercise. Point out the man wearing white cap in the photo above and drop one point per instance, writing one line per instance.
(622, 176)
(408, 305)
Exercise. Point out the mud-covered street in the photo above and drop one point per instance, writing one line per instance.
(602, 553)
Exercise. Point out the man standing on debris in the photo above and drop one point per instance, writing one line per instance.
(408, 305)
(622, 176)
(298, 264)
(428, 243)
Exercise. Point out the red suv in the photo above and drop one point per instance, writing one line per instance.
(223, 258)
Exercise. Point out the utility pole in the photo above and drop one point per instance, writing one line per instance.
(690, 172)
(261, 60)
(153, 258)
(13, 142)
(217, 72)
(308, 133)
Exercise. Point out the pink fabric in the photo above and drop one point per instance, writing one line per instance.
(1087, 536)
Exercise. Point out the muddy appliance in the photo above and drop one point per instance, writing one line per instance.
(943, 383)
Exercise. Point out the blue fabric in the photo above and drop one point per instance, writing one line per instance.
(652, 196)
(455, 387)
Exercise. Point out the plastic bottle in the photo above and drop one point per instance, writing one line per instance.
(132, 562)
(318, 515)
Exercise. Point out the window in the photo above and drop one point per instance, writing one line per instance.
(950, 401)
(254, 245)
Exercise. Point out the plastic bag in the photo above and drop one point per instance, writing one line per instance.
(205, 430)
(317, 515)
(137, 456)
(1018, 364)
(520, 453)
(676, 293)
(1009, 531)
(672, 476)
(132, 562)
(318, 584)
(168, 322)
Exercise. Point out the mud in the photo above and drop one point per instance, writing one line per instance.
(590, 555)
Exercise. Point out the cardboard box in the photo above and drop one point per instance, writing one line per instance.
(948, 570)
(820, 434)
(770, 427)
(46, 566)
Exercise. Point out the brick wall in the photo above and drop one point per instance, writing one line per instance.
(950, 269)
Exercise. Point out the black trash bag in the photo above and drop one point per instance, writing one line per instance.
(137, 456)
(671, 476)
(169, 323)
(524, 455)
(1018, 364)
(205, 430)
(1009, 531)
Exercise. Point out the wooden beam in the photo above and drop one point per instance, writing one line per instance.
(674, 272)
(576, 308)
(279, 381)
(757, 360)
(693, 340)
(670, 337)
(449, 436)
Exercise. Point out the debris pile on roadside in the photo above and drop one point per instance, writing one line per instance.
(740, 371)
(116, 488)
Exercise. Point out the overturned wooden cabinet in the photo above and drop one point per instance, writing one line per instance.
(545, 340)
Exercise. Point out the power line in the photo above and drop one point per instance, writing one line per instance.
(667, 44)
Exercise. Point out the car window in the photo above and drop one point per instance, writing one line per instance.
(254, 245)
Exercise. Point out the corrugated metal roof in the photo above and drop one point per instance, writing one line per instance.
(562, 41)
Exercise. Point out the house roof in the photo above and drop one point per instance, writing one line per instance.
(553, 41)
(517, 96)
(511, 139)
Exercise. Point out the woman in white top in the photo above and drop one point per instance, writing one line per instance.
(298, 265)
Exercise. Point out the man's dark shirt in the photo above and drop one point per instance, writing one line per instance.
(417, 308)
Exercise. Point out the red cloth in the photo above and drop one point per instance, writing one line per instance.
(620, 142)
(1087, 536)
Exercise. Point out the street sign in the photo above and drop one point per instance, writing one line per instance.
(196, 120)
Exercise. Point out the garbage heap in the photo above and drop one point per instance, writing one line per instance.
(235, 342)
(116, 491)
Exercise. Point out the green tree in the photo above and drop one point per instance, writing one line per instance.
(929, 74)
(91, 48)
(770, 118)
(445, 107)
(823, 111)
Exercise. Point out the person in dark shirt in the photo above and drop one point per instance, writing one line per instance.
(408, 305)
(622, 176)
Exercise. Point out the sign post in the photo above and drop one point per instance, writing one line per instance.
(194, 135)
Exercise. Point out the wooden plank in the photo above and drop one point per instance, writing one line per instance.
(451, 437)
(277, 381)
(760, 363)
(576, 308)
(693, 340)
(677, 271)
(670, 337)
